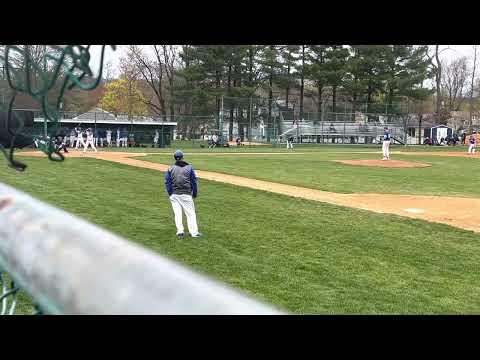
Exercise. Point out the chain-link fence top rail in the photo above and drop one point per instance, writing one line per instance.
(84, 269)
(68, 67)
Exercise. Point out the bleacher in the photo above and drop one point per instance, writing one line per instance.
(340, 131)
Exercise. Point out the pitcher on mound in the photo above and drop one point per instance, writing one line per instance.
(386, 144)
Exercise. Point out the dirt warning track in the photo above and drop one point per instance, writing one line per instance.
(455, 211)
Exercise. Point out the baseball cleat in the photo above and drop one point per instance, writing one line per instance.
(197, 235)
(181, 235)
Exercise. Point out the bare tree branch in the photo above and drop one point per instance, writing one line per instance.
(152, 72)
(454, 82)
(472, 88)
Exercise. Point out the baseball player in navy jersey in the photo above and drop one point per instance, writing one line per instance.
(181, 186)
(386, 144)
(473, 143)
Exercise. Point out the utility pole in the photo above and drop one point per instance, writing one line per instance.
(163, 140)
(250, 132)
(438, 80)
(220, 130)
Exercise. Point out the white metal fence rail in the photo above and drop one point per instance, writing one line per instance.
(70, 266)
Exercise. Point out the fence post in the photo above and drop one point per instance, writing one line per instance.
(163, 139)
(250, 132)
(322, 132)
(322, 119)
(87, 270)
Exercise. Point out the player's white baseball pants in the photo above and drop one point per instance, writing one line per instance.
(109, 140)
(386, 149)
(289, 144)
(185, 203)
(80, 142)
(471, 148)
(72, 141)
(89, 142)
(118, 142)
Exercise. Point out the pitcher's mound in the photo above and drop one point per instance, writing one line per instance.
(384, 163)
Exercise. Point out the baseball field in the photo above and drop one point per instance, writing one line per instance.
(317, 230)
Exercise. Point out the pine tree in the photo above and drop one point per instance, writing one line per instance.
(354, 82)
(287, 78)
(315, 71)
(270, 67)
(371, 67)
(335, 69)
(406, 68)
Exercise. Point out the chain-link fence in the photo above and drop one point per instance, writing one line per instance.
(252, 119)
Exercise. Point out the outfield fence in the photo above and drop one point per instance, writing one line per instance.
(69, 266)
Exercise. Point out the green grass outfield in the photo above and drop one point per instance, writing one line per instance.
(456, 176)
(303, 256)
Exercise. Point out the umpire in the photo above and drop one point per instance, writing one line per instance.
(181, 186)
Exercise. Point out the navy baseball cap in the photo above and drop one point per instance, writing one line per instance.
(178, 155)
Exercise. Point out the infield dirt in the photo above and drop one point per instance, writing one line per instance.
(455, 211)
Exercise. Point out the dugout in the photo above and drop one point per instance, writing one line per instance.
(438, 132)
(143, 128)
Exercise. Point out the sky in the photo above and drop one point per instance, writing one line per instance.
(457, 51)
(450, 52)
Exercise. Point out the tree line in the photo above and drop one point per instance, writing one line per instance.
(187, 83)
(192, 79)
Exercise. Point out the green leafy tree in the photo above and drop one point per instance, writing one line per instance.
(315, 71)
(405, 70)
(354, 81)
(286, 79)
(123, 97)
(334, 69)
(200, 84)
(270, 67)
